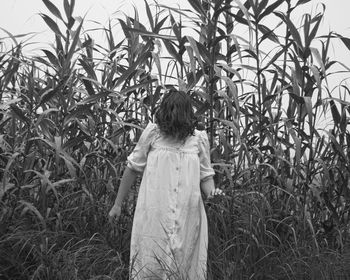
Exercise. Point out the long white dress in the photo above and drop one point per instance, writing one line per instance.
(170, 232)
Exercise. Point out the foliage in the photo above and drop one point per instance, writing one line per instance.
(259, 83)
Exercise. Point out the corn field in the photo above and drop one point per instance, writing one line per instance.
(279, 136)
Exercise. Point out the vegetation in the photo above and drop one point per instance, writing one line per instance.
(259, 81)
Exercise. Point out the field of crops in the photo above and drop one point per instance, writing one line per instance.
(279, 136)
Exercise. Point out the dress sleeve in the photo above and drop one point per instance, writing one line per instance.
(138, 158)
(204, 157)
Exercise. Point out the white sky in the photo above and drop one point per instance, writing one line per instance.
(22, 16)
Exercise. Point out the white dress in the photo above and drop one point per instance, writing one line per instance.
(170, 233)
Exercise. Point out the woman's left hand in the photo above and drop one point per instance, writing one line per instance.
(114, 213)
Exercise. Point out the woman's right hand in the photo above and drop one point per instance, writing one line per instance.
(114, 213)
(216, 193)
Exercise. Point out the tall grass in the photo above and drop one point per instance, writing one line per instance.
(258, 80)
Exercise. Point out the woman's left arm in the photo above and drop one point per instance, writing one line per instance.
(127, 181)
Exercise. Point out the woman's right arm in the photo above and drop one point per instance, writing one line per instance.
(128, 179)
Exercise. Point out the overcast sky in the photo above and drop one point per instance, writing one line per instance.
(22, 16)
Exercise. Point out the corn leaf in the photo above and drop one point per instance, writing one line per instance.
(268, 33)
(52, 58)
(345, 40)
(291, 27)
(75, 41)
(53, 9)
(149, 15)
(28, 206)
(261, 6)
(271, 8)
(194, 46)
(335, 112)
(53, 25)
(172, 51)
(197, 5)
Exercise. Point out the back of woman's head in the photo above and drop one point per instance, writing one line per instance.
(175, 116)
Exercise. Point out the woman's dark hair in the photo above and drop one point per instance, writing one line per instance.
(175, 116)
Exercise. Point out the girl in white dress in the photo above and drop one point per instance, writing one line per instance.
(170, 233)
